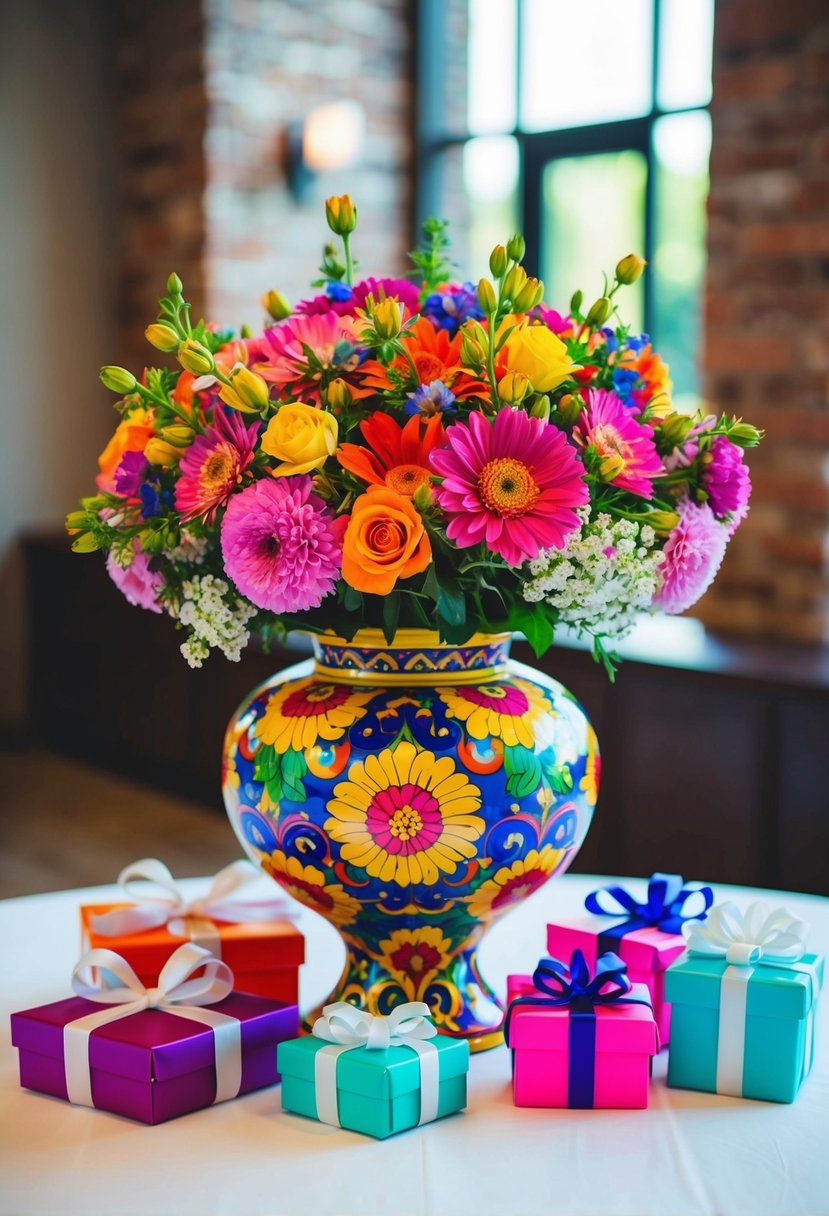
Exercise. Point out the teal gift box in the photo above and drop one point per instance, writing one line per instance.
(379, 1091)
(743, 1012)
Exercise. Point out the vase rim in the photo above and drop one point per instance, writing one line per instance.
(415, 656)
(405, 639)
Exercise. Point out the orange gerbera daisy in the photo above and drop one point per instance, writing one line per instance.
(435, 357)
(396, 456)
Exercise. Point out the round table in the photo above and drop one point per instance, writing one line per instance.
(689, 1154)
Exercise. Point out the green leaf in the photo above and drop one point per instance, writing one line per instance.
(536, 624)
(523, 770)
(451, 606)
(560, 778)
(294, 769)
(266, 764)
(391, 615)
(352, 600)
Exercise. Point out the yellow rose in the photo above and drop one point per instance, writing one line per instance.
(536, 352)
(300, 436)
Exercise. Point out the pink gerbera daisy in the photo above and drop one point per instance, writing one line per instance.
(280, 355)
(693, 553)
(625, 447)
(513, 483)
(212, 466)
(281, 546)
(347, 304)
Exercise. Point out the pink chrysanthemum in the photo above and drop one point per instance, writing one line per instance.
(211, 468)
(137, 582)
(726, 481)
(693, 554)
(280, 357)
(619, 439)
(514, 484)
(407, 293)
(281, 546)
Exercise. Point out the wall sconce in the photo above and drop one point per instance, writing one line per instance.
(330, 137)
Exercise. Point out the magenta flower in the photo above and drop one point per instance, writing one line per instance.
(554, 321)
(693, 555)
(625, 447)
(280, 355)
(281, 546)
(345, 302)
(726, 481)
(513, 484)
(212, 467)
(137, 582)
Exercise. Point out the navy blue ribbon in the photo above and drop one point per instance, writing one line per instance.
(560, 985)
(664, 908)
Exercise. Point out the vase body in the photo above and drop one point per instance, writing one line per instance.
(411, 794)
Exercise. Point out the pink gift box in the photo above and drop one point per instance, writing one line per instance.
(539, 1035)
(647, 952)
(151, 1065)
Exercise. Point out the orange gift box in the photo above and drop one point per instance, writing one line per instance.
(264, 956)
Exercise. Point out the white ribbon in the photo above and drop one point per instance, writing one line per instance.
(187, 918)
(346, 1027)
(757, 937)
(177, 993)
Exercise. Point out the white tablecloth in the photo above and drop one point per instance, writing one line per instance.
(689, 1154)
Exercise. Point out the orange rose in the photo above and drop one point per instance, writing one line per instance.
(131, 435)
(385, 540)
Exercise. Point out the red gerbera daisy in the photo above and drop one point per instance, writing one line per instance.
(396, 456)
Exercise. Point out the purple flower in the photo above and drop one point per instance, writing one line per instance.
(137, 582)
(345, 305)
(430, 399)
(554, 320)
(130, 474)
(448, 309)
(693, 555)
(726, 481)
(281, 546)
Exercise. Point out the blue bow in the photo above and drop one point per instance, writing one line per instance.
(663, 909)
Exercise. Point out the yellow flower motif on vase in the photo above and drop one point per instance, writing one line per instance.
(307, 884)
(506, 710)
(592, 770)
(515, 882)
(301, 713)
(414, 956)
(405, 816)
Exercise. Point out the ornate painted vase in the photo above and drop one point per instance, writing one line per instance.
(411, 794)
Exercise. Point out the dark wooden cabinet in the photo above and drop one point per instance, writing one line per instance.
(715, 765)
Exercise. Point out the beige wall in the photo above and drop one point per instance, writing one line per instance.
(55, 283)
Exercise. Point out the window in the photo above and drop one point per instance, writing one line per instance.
(586, 128)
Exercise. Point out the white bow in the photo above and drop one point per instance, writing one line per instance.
(345, 1024)
(177, 992)
(187, 918)
(346, 1027)
(758, 935)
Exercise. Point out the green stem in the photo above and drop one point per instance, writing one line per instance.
(349, 264)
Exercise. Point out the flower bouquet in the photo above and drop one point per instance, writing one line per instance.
(415, 452)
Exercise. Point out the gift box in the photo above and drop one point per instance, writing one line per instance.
(646, 936)
(577, 1042)
(263, 949)
(374, 1085)
(744, 999)
(149, 1063)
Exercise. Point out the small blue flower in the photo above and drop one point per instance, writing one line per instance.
(153, 499)
(449, 309)
(611, 341)
(338, 291)
(430, 399)
(636, 344)
(625, 380)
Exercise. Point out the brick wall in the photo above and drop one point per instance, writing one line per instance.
(767, 310)
(161, 120)
(268, 64)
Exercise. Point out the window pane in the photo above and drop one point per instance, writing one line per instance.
(686, 33)
(491, 80)
(682, 145)
(585, 64)
(593, 213)
(479, 197)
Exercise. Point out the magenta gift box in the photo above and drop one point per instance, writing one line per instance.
(151, 1066)
(647, 952)
(625, 1041)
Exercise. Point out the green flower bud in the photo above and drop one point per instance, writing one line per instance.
(341, 214)
(117, 379)
(630, 269)
(196, 358)
(486, 296)
(599, 311)
(674, 429)
(662, 522)
(515, 281)
(74, 521)
(162, 337)
(276, 305)
(516, 247)
(528, 296)
(576, 301)
(513, 388)
(569, 408)
(498, 261)
(85, 543)
(744, 435)
(174, 285)
(541, 408)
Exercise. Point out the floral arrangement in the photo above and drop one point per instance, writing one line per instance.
(426, 453)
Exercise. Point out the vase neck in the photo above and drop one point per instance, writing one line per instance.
(415, 657)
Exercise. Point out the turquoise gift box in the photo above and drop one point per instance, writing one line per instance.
(378, 1092)
(746, 1030)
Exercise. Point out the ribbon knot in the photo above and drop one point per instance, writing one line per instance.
(761, 934)
(344, 1024)
(665, 906)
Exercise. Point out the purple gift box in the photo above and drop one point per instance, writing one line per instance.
(151, 1066)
